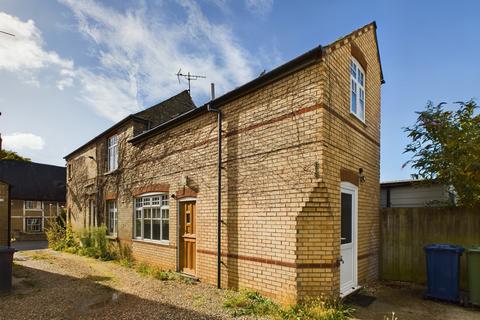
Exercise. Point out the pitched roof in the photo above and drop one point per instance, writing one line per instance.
(282, 71)
(34, 181)
(152, 116)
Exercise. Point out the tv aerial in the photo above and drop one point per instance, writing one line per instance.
(7, 33)
(189, 78)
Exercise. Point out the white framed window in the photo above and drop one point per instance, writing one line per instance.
(33, 225)
(152, 217)
(357, 89)
(33, 205)
(112, 153)
(112, 222)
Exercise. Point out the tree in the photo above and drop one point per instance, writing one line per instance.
(446, 148)
(11, 155)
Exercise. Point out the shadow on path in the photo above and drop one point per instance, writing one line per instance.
(38, 294)
(29, 245)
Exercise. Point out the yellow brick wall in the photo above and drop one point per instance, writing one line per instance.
(283, 149)
(348, 143)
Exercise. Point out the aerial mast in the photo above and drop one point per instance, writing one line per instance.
(189, 78)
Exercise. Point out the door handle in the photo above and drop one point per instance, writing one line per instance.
(341, 239)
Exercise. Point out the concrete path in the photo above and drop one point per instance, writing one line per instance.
(407, 301)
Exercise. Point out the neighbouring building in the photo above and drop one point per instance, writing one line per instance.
(415, 193)
(300, 177)
(37, 195)
(4, 214)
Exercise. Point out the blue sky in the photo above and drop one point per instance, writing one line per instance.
(75, 67)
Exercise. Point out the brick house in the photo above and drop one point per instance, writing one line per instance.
(37, 194)
(4, 214)
(299, 170)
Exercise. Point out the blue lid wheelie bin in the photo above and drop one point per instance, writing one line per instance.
(443, 271)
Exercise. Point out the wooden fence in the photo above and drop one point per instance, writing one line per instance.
(406, 231)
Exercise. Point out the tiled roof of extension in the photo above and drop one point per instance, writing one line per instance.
(34, 181)
(153, 116)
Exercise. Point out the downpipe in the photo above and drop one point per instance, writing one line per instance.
(219, 188)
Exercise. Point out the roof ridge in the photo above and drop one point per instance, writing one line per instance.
(32, 162)
(161, 102)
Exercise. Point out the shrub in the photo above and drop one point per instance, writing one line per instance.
(60, 235)
(94, 243)
(250, 303)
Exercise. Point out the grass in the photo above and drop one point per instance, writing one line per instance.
(41, 256)
(248, 303)
(155, 272)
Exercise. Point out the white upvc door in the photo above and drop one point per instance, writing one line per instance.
(348, 240)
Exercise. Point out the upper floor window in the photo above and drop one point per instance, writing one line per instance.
(112, 153)
(33, 205)
(357, 89)
(112, 217)
(152, 217)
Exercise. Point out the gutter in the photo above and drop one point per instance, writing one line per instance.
(299, 63)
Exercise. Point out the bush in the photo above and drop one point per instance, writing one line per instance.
(91, 242)
(60, 235)
(94, 243)
(250, 303)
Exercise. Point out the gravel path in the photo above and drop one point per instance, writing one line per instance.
(53, 285)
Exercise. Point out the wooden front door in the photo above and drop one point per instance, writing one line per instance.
(188, 237)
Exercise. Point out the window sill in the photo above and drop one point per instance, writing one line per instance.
(112, 237)
(154, 242)
(111, 172)
(358, 119)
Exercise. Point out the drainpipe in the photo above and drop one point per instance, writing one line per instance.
(219, 189)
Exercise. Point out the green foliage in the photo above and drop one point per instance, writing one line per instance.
(248, 303)
(123, 254)
(60, 235)
(152, 271)
(94, 243)
(12, 155)
(90, 242)
(445, 148)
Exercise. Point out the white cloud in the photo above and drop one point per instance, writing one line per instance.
(139, 54)
(24, 53)
(260, 7)
(18, 141)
